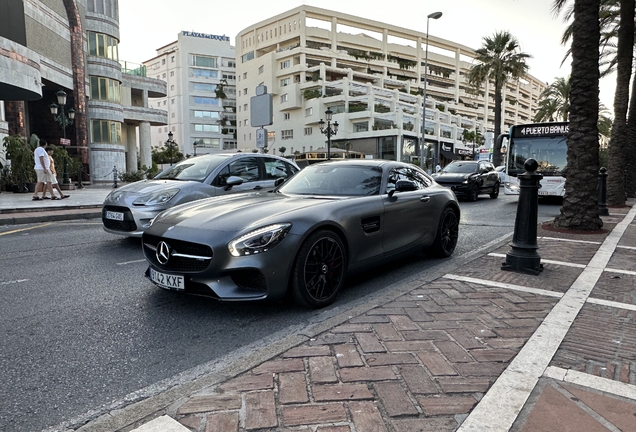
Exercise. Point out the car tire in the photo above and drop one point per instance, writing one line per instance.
(447, 234)
(473, 192)
(319, 270)
(495, 191)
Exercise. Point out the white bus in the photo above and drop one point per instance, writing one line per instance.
(547, 144)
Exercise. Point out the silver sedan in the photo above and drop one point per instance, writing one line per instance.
(128, 210)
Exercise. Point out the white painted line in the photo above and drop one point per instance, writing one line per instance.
(597, 383)
(626, 247)
(13, 282)
(537, 291)
(611, 303)
(162, 424)
(131, 262)
(569, 240)
(500, 406)
(561, 263)
(627, 272)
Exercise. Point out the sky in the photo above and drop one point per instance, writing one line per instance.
(146, 25)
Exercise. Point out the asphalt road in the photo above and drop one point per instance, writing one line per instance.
(81, 327)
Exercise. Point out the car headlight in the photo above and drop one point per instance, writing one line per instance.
(156, 198)
(260, 240)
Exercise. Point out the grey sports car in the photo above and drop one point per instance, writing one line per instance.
(329, 220)
(128, 210)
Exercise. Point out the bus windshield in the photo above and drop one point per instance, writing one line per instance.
(549, 152)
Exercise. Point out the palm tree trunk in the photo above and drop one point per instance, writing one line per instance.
(624, 56)
(580, 203)
(496, 150)
(630, 145)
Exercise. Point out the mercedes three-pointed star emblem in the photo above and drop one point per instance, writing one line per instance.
(163, 252)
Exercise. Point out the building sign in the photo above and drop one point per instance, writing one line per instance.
(447, 147)
(206, 36)
(65, 141)
(464, 152)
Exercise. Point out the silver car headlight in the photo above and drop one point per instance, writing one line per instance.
(156, 198)
(260, 240)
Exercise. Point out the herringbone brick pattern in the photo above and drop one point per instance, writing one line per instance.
(410, 365)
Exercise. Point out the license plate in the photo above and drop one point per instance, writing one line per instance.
(114, 215)
(550, 193)
(166, 280)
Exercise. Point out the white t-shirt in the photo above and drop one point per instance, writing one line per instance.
(41, 151)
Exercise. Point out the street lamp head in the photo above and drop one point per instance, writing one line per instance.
(321, 125)
(435, 15)
(71, 114)
(328, 114)
(170, 135)
(53, 108)
(61, 97)
(335, 127)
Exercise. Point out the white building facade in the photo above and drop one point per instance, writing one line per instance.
(371, 76)
(199, 70)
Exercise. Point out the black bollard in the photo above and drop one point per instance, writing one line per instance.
(602, 192)
(114, 177)
(523, 256)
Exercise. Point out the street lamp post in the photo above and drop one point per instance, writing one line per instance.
(194, 144)
(329, 131)
(434, 15)
(64, 118)
(171, 143)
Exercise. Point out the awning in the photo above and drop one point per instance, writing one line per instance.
(449, 155)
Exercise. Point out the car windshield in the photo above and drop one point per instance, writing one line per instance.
(467, 167)
(193, 169)
(337, 178)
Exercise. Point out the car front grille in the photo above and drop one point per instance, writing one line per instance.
(184, 257)
(127, 225)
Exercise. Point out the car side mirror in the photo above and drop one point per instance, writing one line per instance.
(405, 186)
(232, 181)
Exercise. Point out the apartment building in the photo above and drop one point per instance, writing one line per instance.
(371, 76)
(48, 46)
(200, 73)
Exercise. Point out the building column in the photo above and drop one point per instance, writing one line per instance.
(145, 152)
(131, 148)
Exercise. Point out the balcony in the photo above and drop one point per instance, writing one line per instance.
(132, 68)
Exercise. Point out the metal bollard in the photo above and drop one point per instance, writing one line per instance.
(114, 177)
(602, 192)
(523, 256)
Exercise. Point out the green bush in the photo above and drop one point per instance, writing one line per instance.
(132, 176)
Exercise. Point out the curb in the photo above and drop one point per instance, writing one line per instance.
(28, 216)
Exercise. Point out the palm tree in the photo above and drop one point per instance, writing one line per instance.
(554, 101)
(498, 60)
(580, 203)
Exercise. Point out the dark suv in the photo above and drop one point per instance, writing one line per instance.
(468, 179)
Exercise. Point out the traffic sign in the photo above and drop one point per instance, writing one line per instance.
(261, 138)
(65, 141)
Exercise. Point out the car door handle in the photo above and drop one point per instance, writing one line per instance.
(257, 188)
(425, 198)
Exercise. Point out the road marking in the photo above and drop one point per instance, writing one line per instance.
(13, 282)
(567, 264)
(627, 272)
(507, 396)
(626, 247)
(131, 262)
(587, 380)
(537, 291)
(24, 229)
(569, 240)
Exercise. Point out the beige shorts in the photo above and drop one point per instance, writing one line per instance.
(44, 177)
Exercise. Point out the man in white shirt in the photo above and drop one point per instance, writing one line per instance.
(42, 169)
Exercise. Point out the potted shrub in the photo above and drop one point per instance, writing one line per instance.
(19, 152)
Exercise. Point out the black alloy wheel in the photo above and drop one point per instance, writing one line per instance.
(473, 192)
(495, 191)
(319, 270)
(447, 234)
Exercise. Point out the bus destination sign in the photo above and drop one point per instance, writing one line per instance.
(540, 130)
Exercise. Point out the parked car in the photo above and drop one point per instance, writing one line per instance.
(469, 179)
(502, 175)
(329, 220)
(128, 210)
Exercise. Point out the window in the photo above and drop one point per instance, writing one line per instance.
(204, 61)
(171, 73)
(244, 75)
(213, 143)
(231, 64)
(247, 57)
(105, 89)
(261, 69)
(205, 87)
(245, 91)
(283, 98)
(206, 128)
(172, 59)
(163, 61)
(205, 100)
(309, 111)
(171, 101)
(286, 116)
(105, 131)
(172, 87)
(285, 64)
(101, 45)
(287, 134)
(245, 168)
(206, 114)
(276, 168)
(284, 82)
(163, 75)
(204, 73)
(244, 107)
(308, 131)
(361, 127)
